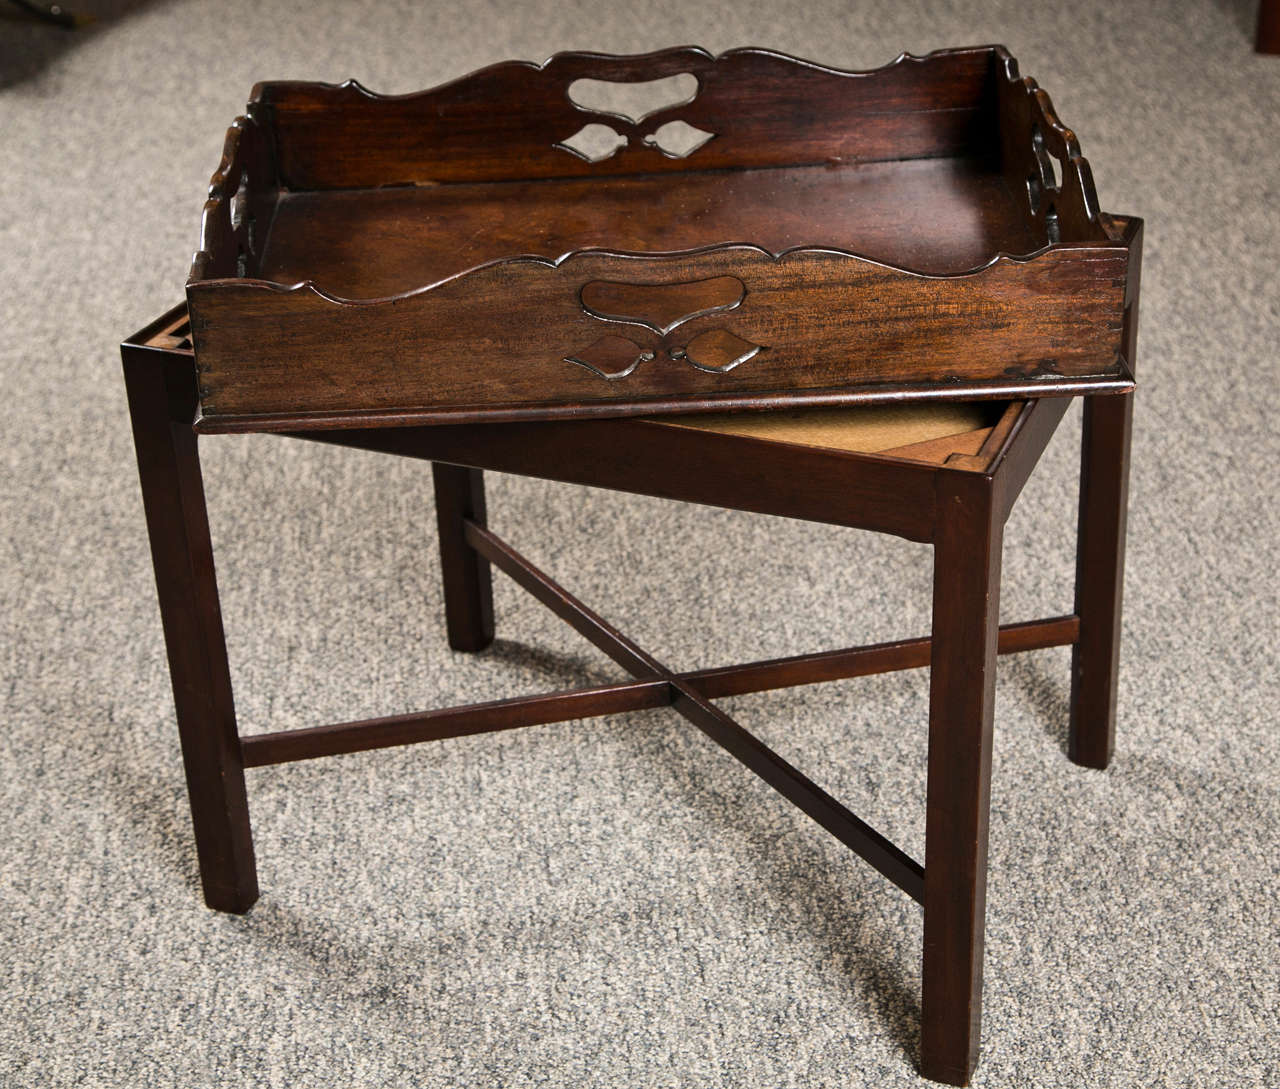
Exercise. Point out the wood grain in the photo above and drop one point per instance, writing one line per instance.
(502, 335)
(1042, 162)
(936, 216)
(504, 122)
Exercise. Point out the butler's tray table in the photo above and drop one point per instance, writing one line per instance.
(859, 298)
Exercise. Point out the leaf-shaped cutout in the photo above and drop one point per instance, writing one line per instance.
(611, 357)
(633, 101)
(1048, 172)
(1035, 192)
(594, 142)
(661, 307)
(719, 351)
(678, 139)
(238, 205)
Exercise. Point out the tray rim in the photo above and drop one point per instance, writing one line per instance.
(259, 90)
(309, 285)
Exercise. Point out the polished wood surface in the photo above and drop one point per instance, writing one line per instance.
(468, 589)
(365, 735)
(507, 121)
(161, 402)
(832, 486)
(516, 334)
(313, 743)
(1041, 161)
(1104, 506)
(925, 235)
(798, 788)
(836, 238)
(966, 610)
(372, 243)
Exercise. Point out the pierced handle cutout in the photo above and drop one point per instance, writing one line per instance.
(719, 351)
(1043, 185)
(1044, 159)
(633, 101)
(678, 139)
(611, 357)
(238, 206)
(661, 307)
(714, 351)
(243, 227)
(594, 142)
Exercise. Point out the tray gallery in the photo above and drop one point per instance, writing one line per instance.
(676, 232)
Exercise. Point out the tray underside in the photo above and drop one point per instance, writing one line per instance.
(938, 216)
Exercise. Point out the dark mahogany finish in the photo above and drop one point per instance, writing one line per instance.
(503, 123)
(1104, 505)
(871, 224)
(453, 245)
(468, 596)
(1268, 39)
(162, 401)
(966, 610)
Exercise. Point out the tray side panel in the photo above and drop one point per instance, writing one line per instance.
(753, 107)
(621, 331)
(1042, 164)
(243, 195)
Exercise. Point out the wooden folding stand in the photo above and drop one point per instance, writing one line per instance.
(256, 354)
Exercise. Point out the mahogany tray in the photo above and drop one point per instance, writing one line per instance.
(763, 232)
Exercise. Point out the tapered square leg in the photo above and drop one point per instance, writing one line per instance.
(162, 398)
(966, 592)
(1095, 659)
(1104, 503)
(468, 582)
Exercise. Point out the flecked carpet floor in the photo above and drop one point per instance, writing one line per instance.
(615, 903)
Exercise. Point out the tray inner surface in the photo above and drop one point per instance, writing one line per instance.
(939, 216)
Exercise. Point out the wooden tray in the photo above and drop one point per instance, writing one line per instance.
(773, 234)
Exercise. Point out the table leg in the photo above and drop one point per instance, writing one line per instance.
(1268, 38)
(162, 400)
(966, 593)
(1095, 659)
(468, 582)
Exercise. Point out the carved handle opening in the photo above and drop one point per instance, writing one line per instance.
(1042, 159)
(241, 198)
(628, 102)
(633, 100)
(661, 307)
(656, 312)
